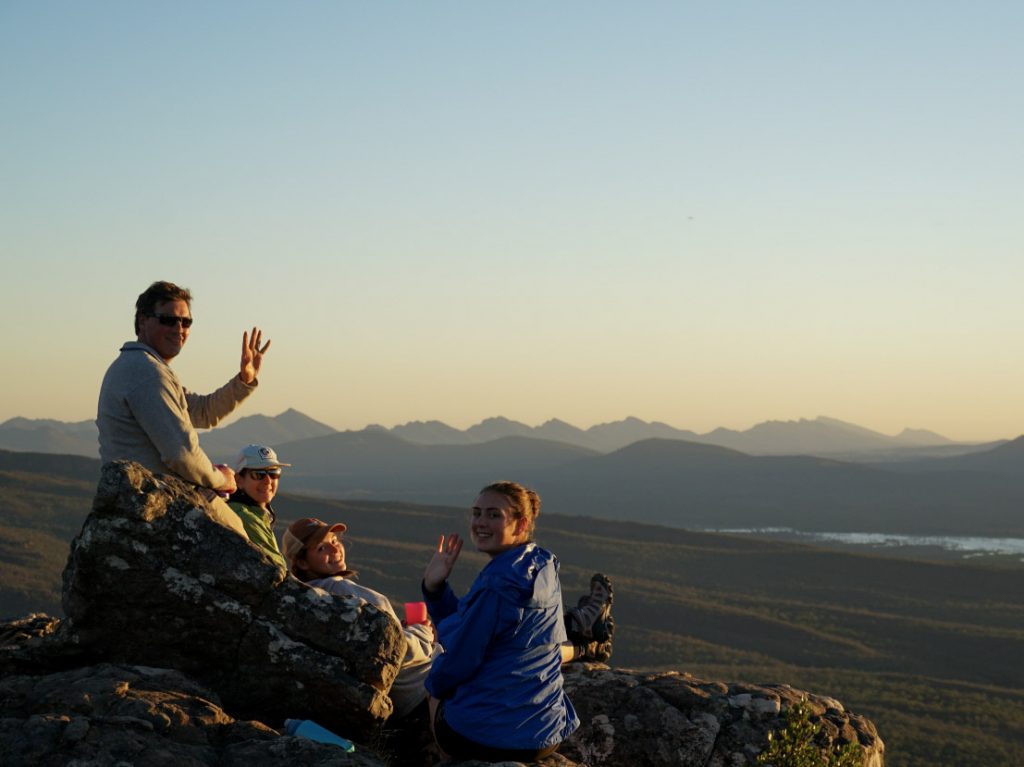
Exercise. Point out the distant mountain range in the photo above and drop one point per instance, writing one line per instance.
(821, 436)
(667, 480)
(44, 435)
(224, 443)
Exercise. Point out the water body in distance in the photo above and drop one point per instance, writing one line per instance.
(924, 546)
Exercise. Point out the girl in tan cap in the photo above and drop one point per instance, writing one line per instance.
(315, 552)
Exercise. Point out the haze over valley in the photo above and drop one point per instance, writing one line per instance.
(820, 475)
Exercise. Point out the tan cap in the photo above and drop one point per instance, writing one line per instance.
(304, 533)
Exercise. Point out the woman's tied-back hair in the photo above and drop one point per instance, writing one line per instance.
(158, 293)
(525, 502)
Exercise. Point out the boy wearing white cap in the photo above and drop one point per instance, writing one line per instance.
(258, 471)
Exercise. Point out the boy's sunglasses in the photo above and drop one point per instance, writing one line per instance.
(259, 474)
(170, 320)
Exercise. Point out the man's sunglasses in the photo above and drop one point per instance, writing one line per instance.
(259, 474)
(170, 320)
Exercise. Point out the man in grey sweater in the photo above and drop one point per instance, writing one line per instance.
(146, 415)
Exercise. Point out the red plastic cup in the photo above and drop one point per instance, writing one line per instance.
(415, 612)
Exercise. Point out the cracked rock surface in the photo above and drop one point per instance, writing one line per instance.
(152, 580)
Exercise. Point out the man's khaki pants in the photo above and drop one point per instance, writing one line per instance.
(219, 511)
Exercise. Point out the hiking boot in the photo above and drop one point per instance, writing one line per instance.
(591, 618)
(594, 651)
(599, 652)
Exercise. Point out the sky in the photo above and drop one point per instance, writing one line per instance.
(706, 214)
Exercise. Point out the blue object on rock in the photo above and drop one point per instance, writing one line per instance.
(307, 728)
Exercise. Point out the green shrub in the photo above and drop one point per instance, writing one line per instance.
(795, 745)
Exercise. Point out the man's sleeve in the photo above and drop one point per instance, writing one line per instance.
(159, 410)
(206, 410)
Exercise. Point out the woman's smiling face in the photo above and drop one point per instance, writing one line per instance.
(327, 558)
(494, 525)
(259, 484)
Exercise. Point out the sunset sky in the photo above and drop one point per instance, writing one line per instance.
(707, 214)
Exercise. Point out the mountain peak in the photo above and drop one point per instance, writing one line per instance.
(922, 437)
(557, 422)
(498, 426)
(499, 420)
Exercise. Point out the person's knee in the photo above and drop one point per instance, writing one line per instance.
(220, 512)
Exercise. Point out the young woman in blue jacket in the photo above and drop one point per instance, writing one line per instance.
(496, 691)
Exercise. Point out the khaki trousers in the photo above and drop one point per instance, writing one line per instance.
(219, 511)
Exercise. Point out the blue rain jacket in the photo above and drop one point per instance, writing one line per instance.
(500, 674)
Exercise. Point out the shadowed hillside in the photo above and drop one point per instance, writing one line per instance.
(689, 485)
(45, 435)
(45, 498)
(376, 464)
(1006, 459)
(668, 482)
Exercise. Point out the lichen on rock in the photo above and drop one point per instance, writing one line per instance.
(190, 594)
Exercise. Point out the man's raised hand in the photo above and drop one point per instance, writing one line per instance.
(252, 355)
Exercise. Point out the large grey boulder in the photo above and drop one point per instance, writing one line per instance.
(671, 718)
(146, 717)
(152, 580)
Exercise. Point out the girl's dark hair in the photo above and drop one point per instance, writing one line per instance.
(525, 502)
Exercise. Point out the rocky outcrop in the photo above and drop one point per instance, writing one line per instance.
(185, 645)
(111, 714)
(133, 715)
(670, 718)
(153, 580)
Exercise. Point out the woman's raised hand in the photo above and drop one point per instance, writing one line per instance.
(441, 564)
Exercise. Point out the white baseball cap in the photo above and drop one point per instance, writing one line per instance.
(257, 457)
